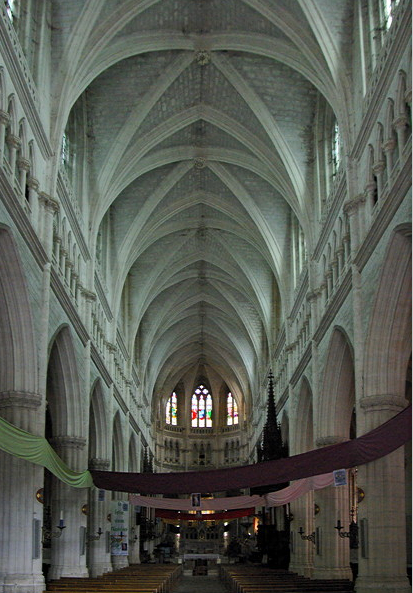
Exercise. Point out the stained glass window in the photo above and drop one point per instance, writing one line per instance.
(171, 410)
(232, 410)
(201, 408)
(336, 148)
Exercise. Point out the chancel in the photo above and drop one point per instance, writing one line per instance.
(205, 295)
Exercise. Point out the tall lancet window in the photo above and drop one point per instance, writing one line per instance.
(232, 410)
(336, 148)
(172, 410)
(201, 408)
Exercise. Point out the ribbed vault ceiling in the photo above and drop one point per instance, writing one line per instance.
(200, 114)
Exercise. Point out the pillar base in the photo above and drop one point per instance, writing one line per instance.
(386, 584)
(58, 572)
(33, 583)
(333, 573)
(303, 569)
(100, 568)
(119, 562)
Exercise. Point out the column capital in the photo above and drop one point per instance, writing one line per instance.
(13, 140)
(379, 167)
(330, 440)
(23, 164)
(88, 294)
(4, 117)
(99, 464)
(383, 402)
(20, 399)
(69, 442)
(389, 145)
(351, 206)
(50, 204)
(32, 183)
(400, 122)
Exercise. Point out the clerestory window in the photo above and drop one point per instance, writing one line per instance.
(388, 8)
(232, 410)
(201, 408)
(171, 411)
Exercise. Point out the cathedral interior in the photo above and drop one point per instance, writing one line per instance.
(205, 265)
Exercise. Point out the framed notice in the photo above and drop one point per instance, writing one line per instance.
(119, 535)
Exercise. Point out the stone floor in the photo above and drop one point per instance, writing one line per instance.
(200, 584)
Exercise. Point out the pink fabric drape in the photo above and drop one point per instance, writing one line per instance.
(272, 499)
(379, 442)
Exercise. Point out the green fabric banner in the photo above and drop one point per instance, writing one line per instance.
(37, 450)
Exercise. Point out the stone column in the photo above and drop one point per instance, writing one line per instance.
(68, 558)
(21, 514)
(99, 553)
(382, 554)
(332, 558)
(302, 557)
(4, 120)
(14, 143)
(400, 125)
(48, 206)
(33, 186)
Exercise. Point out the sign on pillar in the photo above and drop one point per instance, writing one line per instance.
(119, 527)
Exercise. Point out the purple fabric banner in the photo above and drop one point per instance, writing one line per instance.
(371, 446)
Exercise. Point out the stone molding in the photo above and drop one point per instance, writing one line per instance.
(20, 399)
(330, 440)
(383, 402)
(48, 202)
(99, 464)
(68, 442)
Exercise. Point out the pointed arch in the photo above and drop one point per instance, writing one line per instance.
(388, 345)
(18, 366)
(98, 424)
(337, 395)
(63, 389)
(118, 452)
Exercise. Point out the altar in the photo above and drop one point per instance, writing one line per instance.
(199, 562)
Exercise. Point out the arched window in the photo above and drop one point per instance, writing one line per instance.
(232, 410)
(11, 9)
(171, 410)
(335, 148)
(388, 8)
(201, 408)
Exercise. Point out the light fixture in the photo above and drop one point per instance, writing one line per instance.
(49, 534)
(310, 537)
(91, 538)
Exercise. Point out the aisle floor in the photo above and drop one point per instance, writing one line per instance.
(200, 584)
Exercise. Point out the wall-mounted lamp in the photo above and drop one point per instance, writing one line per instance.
(92, 538)
(48, 534)
(352, 533)
(310, 537)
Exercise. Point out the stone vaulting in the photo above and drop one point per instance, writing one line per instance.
(196, 195)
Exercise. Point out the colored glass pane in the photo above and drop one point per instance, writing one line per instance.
(194, 410)
(174, 409)
(229, 409)
(235, 416)
(209, 410)
(201, 412)
(168, 411)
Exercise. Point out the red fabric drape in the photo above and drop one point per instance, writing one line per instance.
(379, 442)
(226, 515)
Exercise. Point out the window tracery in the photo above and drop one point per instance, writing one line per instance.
(232, 410)
(201, 408)
(171, 410)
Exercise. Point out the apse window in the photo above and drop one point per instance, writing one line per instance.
(11, 9)
(232, 410)
(388, 7)
(201, 408)
(171, 410)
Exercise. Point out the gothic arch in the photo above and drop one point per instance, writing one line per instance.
(337, 395)
(63, 389)
(18, 369)
(304, 439)
(388, 346)
(98, 424)
(118, 455)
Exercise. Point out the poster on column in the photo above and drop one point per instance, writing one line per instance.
(119, 527)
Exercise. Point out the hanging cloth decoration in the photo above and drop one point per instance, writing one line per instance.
(37, 450)
(272, 499)
(371, 446)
